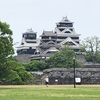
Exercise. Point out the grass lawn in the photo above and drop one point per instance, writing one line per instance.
(53, 92)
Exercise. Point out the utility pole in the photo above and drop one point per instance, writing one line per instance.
(74, 73)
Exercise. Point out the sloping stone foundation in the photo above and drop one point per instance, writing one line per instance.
(66, 76)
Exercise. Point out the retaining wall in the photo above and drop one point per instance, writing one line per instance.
(66, 76)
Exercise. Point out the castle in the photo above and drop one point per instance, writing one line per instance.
(49, 42)
(33, 48)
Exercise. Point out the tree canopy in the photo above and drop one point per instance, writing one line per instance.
(35, 65)
(6, 48)
(92, 49)
(17, 73)
(62, 59)
(6, 41)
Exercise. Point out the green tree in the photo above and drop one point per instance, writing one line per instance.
(35, 65)
(6, 42)
(62, 59)
(6, 48)
(18, 74)
(92, 48)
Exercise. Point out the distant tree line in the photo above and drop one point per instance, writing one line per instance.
(91, 47)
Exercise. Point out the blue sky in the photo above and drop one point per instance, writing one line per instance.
(44, 14)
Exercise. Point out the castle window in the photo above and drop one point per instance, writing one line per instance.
(45, 37)
(71, 29)
(74, 37)
(30, 36)
(61, 30)
(61, 37)
(67, 32)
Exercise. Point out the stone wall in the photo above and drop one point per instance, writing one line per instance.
(66, 76)
(23, 58)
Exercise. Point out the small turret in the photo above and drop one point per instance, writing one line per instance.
(29, 43)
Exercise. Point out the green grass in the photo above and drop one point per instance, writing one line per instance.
(53, 92)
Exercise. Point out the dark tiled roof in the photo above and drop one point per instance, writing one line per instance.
(48, 33)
